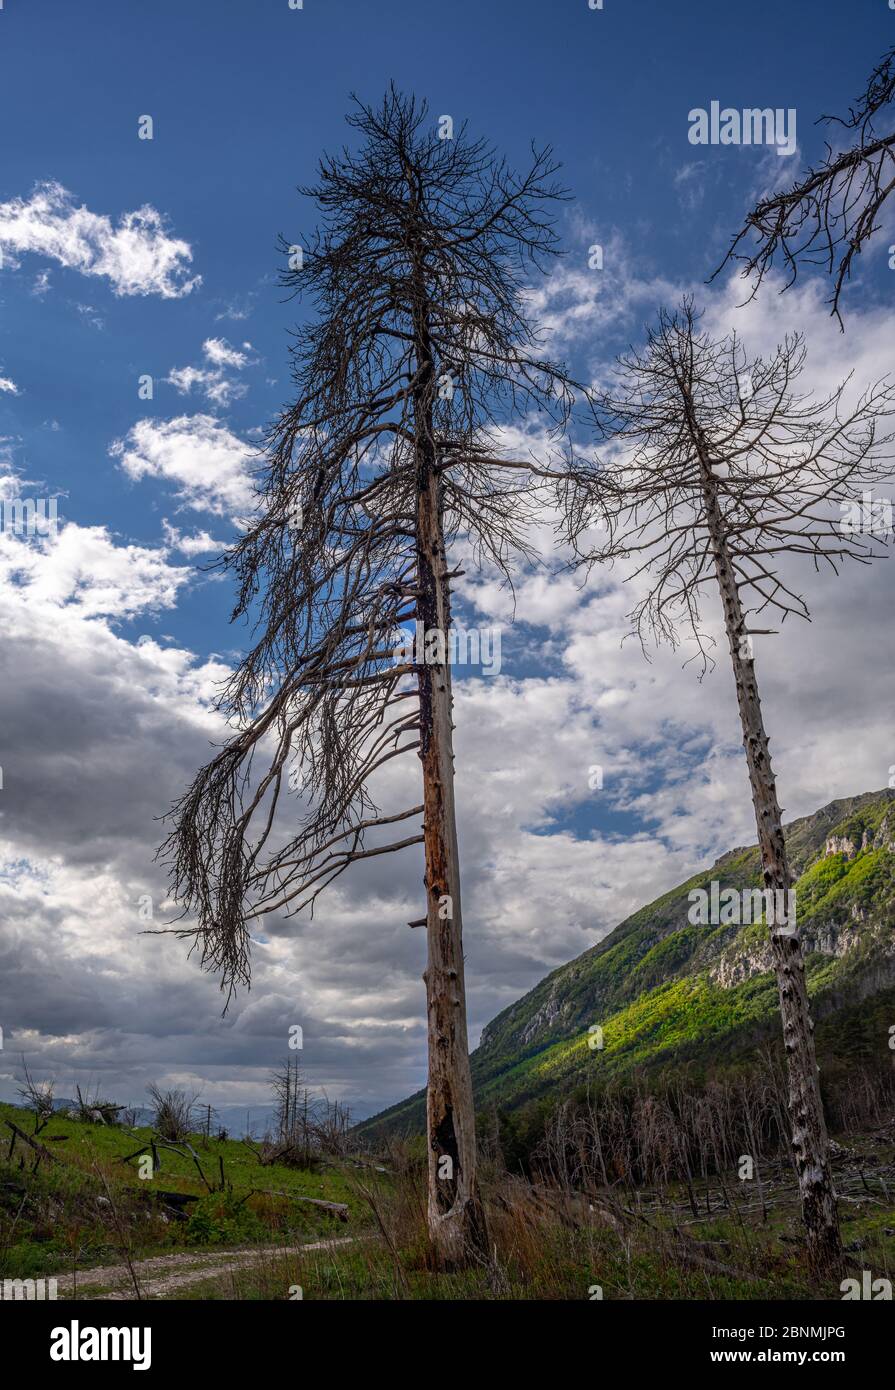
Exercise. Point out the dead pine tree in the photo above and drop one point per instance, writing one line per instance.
(292, 1110)
(718, 474)
(829, 214)
(419, 352)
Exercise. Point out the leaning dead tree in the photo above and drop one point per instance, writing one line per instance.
(830, 214)
(719, 473)
(419, 352)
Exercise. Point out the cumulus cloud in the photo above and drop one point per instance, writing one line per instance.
(108, 732)
(136, 254)
(199, 543)
(221, 354)
(212, 379)
(207, 463)
(6, 384)
(83, 568)
(579, 301)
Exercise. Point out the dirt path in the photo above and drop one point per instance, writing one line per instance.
(164, 1274)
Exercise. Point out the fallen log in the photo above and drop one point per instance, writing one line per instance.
(173, 1199)
(339, 1209)
(176, 1202)
(32, 1143)
(576, 1208)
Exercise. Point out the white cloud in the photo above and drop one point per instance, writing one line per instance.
(9, 386)
(207, 462)
(108, 732)
(199, 543)
(690, 180)
(221, 354)
(137, 255)
(575, 303)
(90, 316)
(237, 312)
(83, 568)
(213, 380)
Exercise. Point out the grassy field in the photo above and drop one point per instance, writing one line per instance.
(90, 1219)
(609, 1252)
(88, 1207)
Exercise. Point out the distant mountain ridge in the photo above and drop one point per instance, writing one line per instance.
(667, 993)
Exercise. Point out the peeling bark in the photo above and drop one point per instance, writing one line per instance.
(809, 1132)
(455, 1213)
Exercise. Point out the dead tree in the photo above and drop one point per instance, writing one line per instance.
(829, 214)
(39, 1098)
(174, 1112)
(332, 1127)
(420, 350)
(95, 1109)
(719, 472)
(292, 1111)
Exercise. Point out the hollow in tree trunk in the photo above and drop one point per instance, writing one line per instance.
(455, 1214)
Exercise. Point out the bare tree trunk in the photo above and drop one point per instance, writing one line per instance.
(455, 1214)
(809, 1131)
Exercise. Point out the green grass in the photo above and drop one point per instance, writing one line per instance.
(649, 983)
(764, 1260)
(538, 1256)
(65, 1220)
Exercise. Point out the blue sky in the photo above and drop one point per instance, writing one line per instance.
(244, 97)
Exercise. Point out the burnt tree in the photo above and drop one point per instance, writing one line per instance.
(719, 473)
(828, 215)
(419, 352)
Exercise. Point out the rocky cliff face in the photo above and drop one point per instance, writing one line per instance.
(666, 992)
(831, 939)
(832, 928)
(550, 1012)
(883, 837)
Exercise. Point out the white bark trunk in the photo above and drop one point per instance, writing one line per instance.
(809, 1132)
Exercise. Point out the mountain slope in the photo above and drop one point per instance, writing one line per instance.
(666, 993)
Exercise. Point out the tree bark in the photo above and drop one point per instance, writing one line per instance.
(455, 1214)
(809, 1131)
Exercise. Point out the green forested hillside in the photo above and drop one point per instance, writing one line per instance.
(669, 994)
